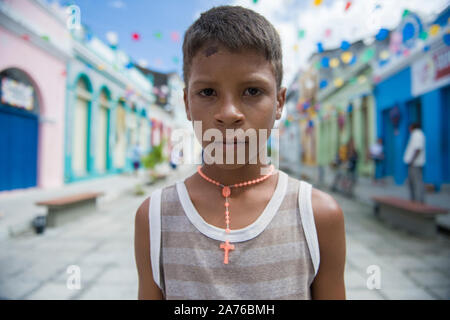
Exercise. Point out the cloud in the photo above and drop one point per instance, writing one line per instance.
(118, 4)
(361, 21)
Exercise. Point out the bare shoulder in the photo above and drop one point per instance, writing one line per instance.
(148, 289)
(326, 209)
(142, 211)
(329, 220)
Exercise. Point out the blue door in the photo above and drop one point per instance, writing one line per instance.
(18, 148)
(389, 145)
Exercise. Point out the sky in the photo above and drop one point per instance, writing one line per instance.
(160, 25)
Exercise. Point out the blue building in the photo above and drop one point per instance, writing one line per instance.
(414, 86)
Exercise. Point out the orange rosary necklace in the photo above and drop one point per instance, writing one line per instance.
(226, 192)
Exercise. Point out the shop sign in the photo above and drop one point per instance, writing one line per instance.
(17, 94)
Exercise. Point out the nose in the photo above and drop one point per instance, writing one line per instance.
(228, 115)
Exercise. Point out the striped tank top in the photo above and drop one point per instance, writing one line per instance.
(276, 257)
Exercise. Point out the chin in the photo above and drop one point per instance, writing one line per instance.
(225, 166)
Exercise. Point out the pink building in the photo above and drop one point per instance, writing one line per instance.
(35, 49)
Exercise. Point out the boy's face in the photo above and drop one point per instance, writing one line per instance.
(228, 90)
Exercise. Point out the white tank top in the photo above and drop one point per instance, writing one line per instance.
(276, 257)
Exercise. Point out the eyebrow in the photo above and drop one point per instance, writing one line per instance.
(250, 80)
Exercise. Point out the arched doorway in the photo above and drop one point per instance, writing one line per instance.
(19, 130)
(81, 120)
(120, 146)
(102, 134)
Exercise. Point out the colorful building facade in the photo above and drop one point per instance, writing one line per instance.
(35, 49)
(71, 107)
(415, 88)
(109, 103)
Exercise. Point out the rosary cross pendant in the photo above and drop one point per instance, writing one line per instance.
(226, 247)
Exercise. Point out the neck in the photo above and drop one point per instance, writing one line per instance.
(235, 175)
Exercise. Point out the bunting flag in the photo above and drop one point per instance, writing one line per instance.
(325, 62)
(135, 36)
(368, 54)
(175, 36)
(446, 38)
(346, 56)
(347, 5)
(319, 47)
(362, 79)
(338, 82)
(301, 33)
(382, 34)
(384, 55)
(317, 65)
(317, 2)
(88, 36)
(345, 45)
(423, 35)
(334, 63)
(434, 30)
(158, 35)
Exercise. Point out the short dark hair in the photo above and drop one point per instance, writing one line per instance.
(414, 125)
(236, 28)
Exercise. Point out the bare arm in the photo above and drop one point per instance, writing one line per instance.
(416, 154)
(148, 289)
(329, 220)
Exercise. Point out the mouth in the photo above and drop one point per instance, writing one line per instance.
(226, 143)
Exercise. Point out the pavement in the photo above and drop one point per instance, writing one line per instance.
(381, 262)
(99, 245)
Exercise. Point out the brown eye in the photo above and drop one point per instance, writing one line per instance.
(208, 92)
(252, 91)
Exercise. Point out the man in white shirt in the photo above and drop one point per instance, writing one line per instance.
(414, 157)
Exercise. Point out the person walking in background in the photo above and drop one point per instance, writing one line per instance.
(341, 157)
(352, 164)
(136, 154)
(414, 157)
(377, 155)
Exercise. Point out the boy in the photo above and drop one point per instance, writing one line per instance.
(267, 245)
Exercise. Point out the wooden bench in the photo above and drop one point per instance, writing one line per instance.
(69, 208)
(415, 217)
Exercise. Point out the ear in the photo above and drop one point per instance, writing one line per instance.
(186, 103)
(281, 99)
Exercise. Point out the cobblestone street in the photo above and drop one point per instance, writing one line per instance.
(102, 246)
